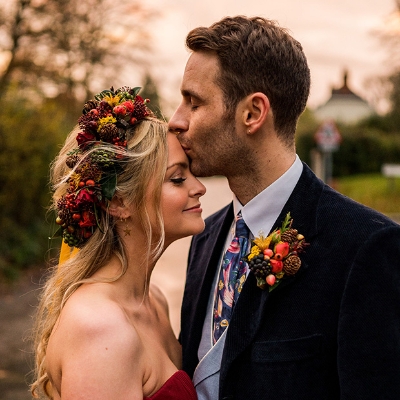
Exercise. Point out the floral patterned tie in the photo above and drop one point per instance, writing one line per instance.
(231, 278)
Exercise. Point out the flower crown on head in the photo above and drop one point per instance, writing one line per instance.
(96, 162)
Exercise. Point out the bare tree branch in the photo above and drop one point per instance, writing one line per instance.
(68, 45)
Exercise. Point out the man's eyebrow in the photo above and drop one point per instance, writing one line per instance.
(190, 93)
(179, 164)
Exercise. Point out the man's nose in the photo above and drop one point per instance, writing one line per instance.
(178, 122)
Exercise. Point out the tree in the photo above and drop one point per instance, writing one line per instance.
(54, 52)
(393, 116)
(30, 135)
(385, 90)
(391, 38)
(70, 47)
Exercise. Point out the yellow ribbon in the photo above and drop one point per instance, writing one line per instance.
(67, 252)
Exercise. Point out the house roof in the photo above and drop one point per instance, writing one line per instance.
(345, 90)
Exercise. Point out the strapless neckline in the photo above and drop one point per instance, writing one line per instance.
(179, 386)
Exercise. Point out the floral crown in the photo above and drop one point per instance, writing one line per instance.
(96, 162)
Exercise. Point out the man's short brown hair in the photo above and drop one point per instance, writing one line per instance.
(256, 55)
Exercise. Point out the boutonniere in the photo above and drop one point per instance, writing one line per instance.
(276, 256)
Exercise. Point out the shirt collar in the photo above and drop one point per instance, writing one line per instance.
(261, 212)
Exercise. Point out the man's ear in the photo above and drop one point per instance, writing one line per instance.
(117, 208)
(255, 113)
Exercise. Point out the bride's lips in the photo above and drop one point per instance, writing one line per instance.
(196, 208)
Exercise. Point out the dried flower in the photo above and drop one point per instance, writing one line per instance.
(84, 137)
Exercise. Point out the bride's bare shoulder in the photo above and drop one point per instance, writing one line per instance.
(90, 314)
(93, 347)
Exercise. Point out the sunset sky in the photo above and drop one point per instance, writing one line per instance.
(335, 35)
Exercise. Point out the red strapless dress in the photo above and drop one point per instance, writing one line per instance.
(178, 387)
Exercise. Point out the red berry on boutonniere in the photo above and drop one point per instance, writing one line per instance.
(271, 280)
(282, 248)
(268, 252)
(276, 265)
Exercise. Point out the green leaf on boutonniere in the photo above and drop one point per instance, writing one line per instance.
(274, 286)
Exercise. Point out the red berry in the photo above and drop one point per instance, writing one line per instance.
(276, 265)
(270, 280)
(76, 216)
(90, 182)
(282, 248)
(87, 234)
(120, 110)
(268, 252)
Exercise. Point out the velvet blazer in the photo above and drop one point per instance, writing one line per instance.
(332, 331)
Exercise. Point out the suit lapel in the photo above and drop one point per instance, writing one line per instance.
(249, 309)
(245, 321)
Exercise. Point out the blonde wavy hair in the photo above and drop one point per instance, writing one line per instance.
(144, 161)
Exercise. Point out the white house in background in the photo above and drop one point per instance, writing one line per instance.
(344, 106)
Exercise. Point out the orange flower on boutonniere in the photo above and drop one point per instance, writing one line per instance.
(274, 257)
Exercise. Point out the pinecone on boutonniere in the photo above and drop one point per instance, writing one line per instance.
(276, 256)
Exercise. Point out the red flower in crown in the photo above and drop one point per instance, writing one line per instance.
(120, 110)
(84, 137)
(88, 219)
(85, 196)
(129, 105)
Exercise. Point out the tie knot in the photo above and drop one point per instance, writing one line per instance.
(241, 229)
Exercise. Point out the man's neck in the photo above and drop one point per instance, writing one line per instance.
(260, 174)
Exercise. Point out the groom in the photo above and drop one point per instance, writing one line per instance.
(328, 330)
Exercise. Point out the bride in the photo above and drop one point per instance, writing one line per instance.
(123, 193)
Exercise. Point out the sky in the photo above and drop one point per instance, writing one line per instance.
(335, 35)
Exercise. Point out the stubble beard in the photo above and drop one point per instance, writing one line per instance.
(223, 155)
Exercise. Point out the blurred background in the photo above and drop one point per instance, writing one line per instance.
(55, 54)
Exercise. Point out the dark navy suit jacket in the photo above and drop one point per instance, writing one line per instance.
(330, 332)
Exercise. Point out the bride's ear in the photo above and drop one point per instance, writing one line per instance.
(117, 208)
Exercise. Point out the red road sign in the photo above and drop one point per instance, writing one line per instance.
(328, 137)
